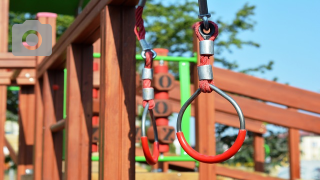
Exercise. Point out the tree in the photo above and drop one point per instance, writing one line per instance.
(169, 26)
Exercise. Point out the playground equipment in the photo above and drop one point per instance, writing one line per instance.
(205, 80)
(41, 112)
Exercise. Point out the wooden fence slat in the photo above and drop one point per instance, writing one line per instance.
(79, 112)
(294, 153)
(240, 174)
(3, 110)
(259, 155)
(26, 129)
(52, 142)
(117, 94)
(279, 116)
(267, 90)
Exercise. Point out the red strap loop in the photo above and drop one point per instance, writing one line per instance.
(151, 159)
(204, 59)
(213, 159)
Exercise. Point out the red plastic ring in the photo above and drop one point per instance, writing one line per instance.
(213, 159)
(151, 159)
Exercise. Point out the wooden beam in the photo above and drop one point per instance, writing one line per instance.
(294, 151)
(38, 153)
(5, 81)
(117, 94)
(13, 155)
(259, 155)
(53, 111)
(279, 116)
(15, 74)
(75, 32)
(173, 176)
(38, 132)
(26, 129)
(205, 122)
(3, 110)
(9, 61)
(25, 81)
(267, 90)
(4, 23)
(240, 174)
(79, 112)
(59, 126)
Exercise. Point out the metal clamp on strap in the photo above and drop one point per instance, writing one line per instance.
(142, 3)
(146, 47)
(205, 72)
(147, 94)
(206, 47)
(147, 73)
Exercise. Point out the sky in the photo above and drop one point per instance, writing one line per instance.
(288, 32)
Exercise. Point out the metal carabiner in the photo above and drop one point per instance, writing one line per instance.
(203, 13)
(221, 157)
(151, 159)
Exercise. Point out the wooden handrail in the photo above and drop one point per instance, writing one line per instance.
(9, 61)
(59, 126)
(262, 112)
(82, 30)
(267, 90)
(12, 153)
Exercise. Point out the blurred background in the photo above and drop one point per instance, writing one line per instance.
(273, 40)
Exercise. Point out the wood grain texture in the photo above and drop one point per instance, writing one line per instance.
(75, 33)
(53, 111)
(12, 153)
(267, 90)
(4, 23)
(3, 110)
(240, 174)
(38, 132)
(258, 153)
(9, 61)
(117, 94)
(26, 129)
(205, 123)
(171, 176)
(79, 112)
(294, 151)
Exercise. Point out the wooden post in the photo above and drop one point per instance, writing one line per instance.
(117, 94)
(44, 18)
(53, 111)
(26, 129)
(3, 110)
(79, 112)
(294, 153)
(259, 155)
(205, 123)
(4, 23)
